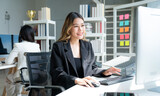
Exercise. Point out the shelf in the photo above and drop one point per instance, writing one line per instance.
(100, 51)
(109, 47)
(95, 34)
(126, 47)
(94, 19)
(99, 54)
(109, 16)
(45, 37)
(39, 22)
(109, 28)
(123, 40)
(109, 40)
(43, 27)
(127, 54)
(110, 54)
(110, 34)
(123, 33)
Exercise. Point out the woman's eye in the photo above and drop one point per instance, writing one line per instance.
(75, 26)
(82, 25)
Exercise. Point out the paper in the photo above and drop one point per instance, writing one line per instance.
(121, 37)
(121, 43)
(117, 60)
(121, 30)
(121, 23)
(126, 36)
(126, 16)
(120, 17)
(126, 43)
(126, 29)
(126, 23)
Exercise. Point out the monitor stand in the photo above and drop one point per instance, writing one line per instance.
(155, 89)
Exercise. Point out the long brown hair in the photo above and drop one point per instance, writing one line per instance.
(65, 35)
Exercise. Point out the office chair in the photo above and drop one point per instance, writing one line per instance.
(39, 78)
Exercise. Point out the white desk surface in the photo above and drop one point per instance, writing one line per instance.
(6, 66)
(127, 86)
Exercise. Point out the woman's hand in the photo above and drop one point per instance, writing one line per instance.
(111, 71)
(86, 81)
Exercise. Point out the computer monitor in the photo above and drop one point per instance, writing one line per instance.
(5, 45)
(14, 39)
(148, 46)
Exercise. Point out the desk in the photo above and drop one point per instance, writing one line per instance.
(6, 66)
(127, 86)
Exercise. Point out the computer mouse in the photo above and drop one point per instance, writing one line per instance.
(95, 84)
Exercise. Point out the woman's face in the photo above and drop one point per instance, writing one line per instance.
(78, 29)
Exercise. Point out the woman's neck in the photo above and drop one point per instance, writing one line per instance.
(75, 47)
(74, 42)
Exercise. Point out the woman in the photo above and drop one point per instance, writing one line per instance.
(72, 59)
(26, 44)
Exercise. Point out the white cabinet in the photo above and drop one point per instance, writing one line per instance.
(98, 35)
(44, 33)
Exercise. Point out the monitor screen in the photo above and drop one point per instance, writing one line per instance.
(148, 46)
(5, 44)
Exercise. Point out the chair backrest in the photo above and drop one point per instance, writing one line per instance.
(38, 68)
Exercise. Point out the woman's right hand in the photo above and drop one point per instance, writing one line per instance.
(86, 81)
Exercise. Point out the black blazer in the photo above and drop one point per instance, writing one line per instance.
(63, 69)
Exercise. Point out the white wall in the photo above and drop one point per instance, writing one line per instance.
(17, 11)
(59, 11)
(154, 4)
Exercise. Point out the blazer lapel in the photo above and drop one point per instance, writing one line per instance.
(84, 53)
(69, 55)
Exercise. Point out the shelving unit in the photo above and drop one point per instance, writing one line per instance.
(98, 36)
(46, 37)
(130, 50)
(121, 50)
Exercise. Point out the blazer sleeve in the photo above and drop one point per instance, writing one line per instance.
(58, 72)
(13, 54)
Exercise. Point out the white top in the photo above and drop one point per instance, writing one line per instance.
(18, 51)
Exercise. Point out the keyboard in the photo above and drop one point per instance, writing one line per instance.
(113, 80)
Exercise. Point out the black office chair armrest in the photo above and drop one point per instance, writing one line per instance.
(57, 87)
(48, 87)
(21, 75)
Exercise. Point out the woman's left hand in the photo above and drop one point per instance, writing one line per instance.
(111, 71)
